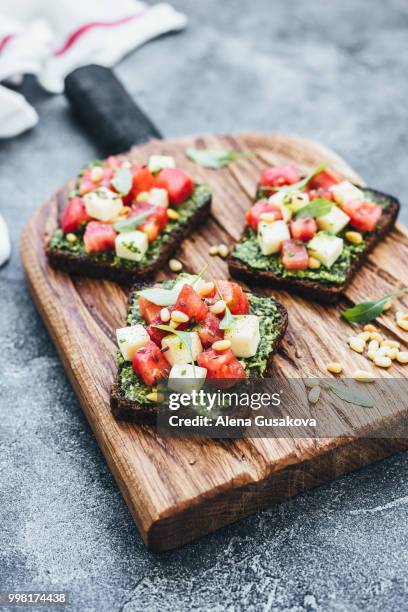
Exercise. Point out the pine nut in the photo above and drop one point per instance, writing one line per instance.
(143, 196)
(402, 357)
(173, 324)
(363, 376)
(206, 289)
(71, 237)
(179, 317)
(403, 324)
(311, 382)
(165, 315)
(268, 217)
(96, 174)
(218, 307)
(175, 265)
(387, 305)
(392, 352)
(391, 343)
(155, 397)
(369, 328)
(223, 250)
(376, 336)
(373, 345)
(382, 361)
(213, 250)
(371, 354)
(354, 237)
(314, 395)
(334, 367)
(173, 214)
(384, 350)
(364, 335)
(313, 263)
(356, 344)
(221, 345)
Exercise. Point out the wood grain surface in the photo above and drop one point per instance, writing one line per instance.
(178, 490)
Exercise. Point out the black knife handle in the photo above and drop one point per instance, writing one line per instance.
(106, 111)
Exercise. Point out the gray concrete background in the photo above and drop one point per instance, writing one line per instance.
(333, 71)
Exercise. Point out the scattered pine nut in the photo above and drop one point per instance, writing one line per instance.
(221, 345)
(403, 324)
(364, 335)
(96, 174)
(363, 376)
(155, 397)
(314, 395)
(354, 237)
(376, 336)
(371, 354)
(369, 328)
(206, 289)
(267, 217)
(402, 357)
(143, 196)
(165, 315)
(311, 382)
(313, 263)
(391, 343)
(218, 307)
(173, 214)
(175, 265)
(71, 237)
(223, 250)
(356, 344)
(334, 367)
(213, 250)
(392, 352)
(373, 345)
(179, 317)
(173, 324)
(382, 361)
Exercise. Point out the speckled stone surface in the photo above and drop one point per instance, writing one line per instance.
(333, 71)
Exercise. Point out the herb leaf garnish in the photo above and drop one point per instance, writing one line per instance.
(368, 311)
(228, 321)
(316, 208)
(168, 297)
(215, 158)
(122, 181)
(351, 396)
(302, 184)
(131, 223)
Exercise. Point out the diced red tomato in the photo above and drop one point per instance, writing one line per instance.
(86, 183)
(114, 162)
(178, 183)
(303, 229)
(74, 215)
(262, 206)
(156, 334)
(323, 180)
(277, 176)
(234, 297)
(209, 330)
(191, 304)
(294, 255)
(151, 228)
(143, 180)
(148, 310)
(99, 237)
(150, 364)
(320, 193)
(154, 223)
(364, 216)
(222, 366)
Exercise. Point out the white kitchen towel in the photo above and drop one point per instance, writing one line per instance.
(51, 38)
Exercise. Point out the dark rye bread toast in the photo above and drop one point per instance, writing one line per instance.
(315, 289)
(81, 264)
(127, 410)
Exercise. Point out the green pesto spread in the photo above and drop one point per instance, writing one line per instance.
(134, 390)
(186, 210)
(249, 252)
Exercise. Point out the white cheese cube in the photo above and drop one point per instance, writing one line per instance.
(103, 204)
(334, 221)
(158, 162)
(280, 199)
(131, 339)
(326, 248)
(271, 236)
(346, 192)
(159, 197)
(178, 353)
(184, 378)
(296, 200)
(131, 245)
(244, 335)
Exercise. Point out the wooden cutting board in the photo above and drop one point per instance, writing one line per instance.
(178, 490)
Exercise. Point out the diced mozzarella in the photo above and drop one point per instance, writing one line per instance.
(131, 245)
(334, 221)
(326, 248)
(178, 353)
(184, 378)
(279, 199)
(131, 339)
(346, 192)
(159, 197)
(244, 335)
(271, 236)
(158, 162)
(103, 204)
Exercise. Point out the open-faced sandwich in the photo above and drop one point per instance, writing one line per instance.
(123, 221)
(310, 235)
(192, 329)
